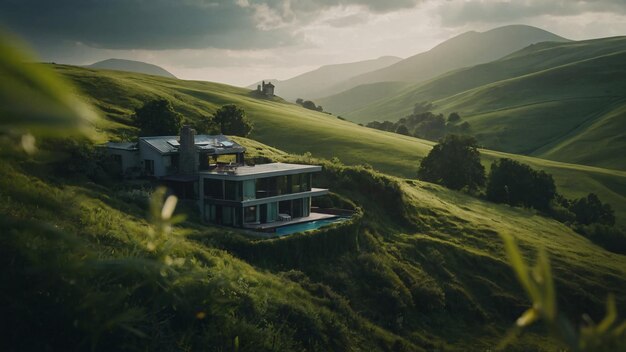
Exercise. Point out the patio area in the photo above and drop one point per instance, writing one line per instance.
(275, 224)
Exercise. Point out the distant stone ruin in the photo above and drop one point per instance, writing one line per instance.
(266, 89)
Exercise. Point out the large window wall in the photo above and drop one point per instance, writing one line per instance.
(258, 188)
(256, 214)
(275, 186)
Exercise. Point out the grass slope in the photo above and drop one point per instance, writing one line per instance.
(534, 58)
(511, 115)
(131, 66)
(424, 270)
(316, 83)
(531, 102)
(298, 130)
(467, 49)
(353, 99)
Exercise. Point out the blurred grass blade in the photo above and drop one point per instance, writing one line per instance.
(33, 99)
(529, 317)
(548, 296)
(611, 315)
(519, 266)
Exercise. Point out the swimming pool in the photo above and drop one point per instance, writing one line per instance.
(306, 226)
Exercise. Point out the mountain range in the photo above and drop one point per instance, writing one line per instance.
(320, 82)
(552, 99)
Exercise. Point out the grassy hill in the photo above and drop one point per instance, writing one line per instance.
(131, 66)
(353, 99)
(318, 83)
(535, 101)
(117, 93)
(423, 269)
(467, 49)
(534, 58)
(419, 267)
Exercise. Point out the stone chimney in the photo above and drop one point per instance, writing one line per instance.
(188, 157)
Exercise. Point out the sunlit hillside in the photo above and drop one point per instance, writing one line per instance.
(298, 130)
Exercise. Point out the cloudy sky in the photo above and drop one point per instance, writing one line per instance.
(242, 41)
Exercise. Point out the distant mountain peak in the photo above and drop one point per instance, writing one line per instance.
(131, 66)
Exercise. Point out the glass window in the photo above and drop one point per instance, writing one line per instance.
(297, 208)
(249, 190)
(231, 191)
(306, 183)
(149, 166)
(272, 212)
(282, 184)
(213, 188)
(295, 183)
(227, 215)
(306, 206)
(249, 214)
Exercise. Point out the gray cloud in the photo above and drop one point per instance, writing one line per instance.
(456, 13)
(173, 24)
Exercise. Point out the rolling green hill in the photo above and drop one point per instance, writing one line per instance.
(353, 99)
(467, 49)
(316, 83)
(117, 93)
(131, 66)
(535, 101)
(422, 269)
(417, 268)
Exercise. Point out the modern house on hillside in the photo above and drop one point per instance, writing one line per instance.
(211, 169)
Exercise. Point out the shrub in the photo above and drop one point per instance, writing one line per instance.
(518, 184)
(610, 238)
(454, 163)
(590, 210)
(454, 117)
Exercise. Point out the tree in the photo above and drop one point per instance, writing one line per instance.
(205, 125)
(454, 163)
(454, 117)
(402, 130)
(518, 184)
(232, 120)
(157, 118)
(299, 101)
(422, 107)
(590, 210)
(308, 104)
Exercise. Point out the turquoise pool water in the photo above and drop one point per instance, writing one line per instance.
(306, 226)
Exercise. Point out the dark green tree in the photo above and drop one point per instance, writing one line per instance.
(518, 184)
(205, 125)
(308, 104)
(157, 118)
(232, 120)
(454, 117)
(454, 163)
(590, 209)
(402, 130)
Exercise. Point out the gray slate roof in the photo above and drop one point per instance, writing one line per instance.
(210, 144)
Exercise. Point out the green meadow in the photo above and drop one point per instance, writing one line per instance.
(298, 130)
(550, 100)
(90, 262)
(419, 268)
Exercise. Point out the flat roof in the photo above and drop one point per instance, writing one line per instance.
(261, 170)
(211, 144)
